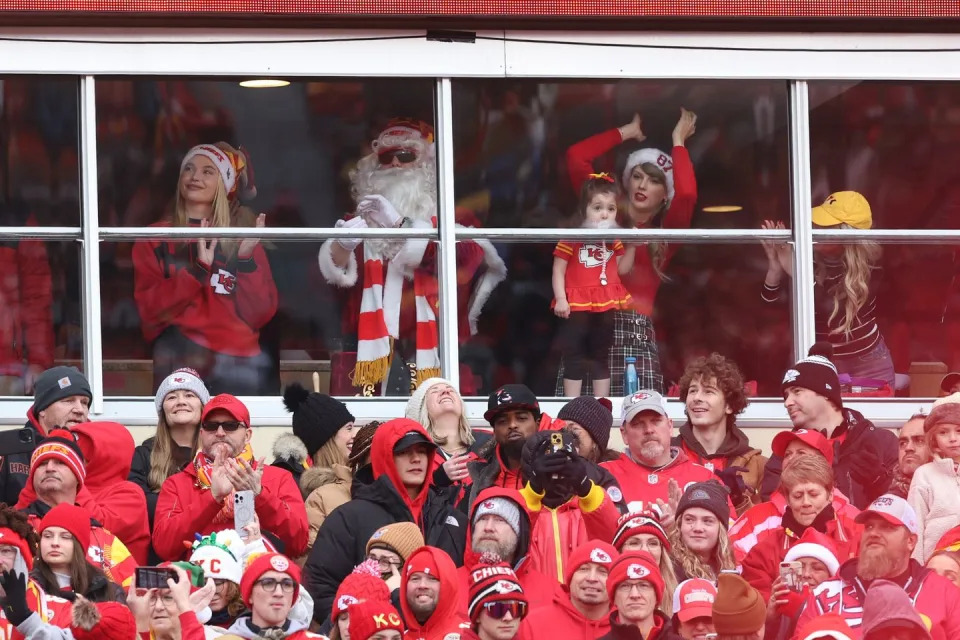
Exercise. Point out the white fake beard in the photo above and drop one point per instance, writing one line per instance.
(600, 224)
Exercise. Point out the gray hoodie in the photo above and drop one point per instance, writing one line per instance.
(888, 605)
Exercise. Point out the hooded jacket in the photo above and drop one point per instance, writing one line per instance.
(327, 488)
(117, 504)
(295, 631)
(935, 496)
(662, 629)
(855, 437)
(560, 620)
(537, 586)
(735, 451)
(934, 597)
(184, 508)
(445, 619)
(642, 486)
(341, 542)
(15, 469)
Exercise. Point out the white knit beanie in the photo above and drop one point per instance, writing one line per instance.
(653, 156)
(417, 404)
(181, 379)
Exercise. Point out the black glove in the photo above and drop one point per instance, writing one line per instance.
(733, 481)
(575, 472)
(14, 602)
(544, 468)
(865, 467)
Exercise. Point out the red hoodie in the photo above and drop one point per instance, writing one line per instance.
(445, 618)
(560, 620)
(643, 486)
(381, 458)
(114, 502)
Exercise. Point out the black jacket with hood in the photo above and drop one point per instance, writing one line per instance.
(15, 468)
(864, 447)
(342, 540)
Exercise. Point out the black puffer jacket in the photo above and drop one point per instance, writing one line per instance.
(342, 540)
(101, 589)
(863, 464)
(15, 469)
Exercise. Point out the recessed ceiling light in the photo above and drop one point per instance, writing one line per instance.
(264, 83)
(723, 208)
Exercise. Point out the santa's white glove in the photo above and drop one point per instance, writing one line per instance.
(353, 223)
(378, 212)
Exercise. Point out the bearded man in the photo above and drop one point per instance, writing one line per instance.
(395, 186)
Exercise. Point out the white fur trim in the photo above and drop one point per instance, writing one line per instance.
(495, 274)
(333, 274)
(817, 551)
(219, 158)
(652, 156)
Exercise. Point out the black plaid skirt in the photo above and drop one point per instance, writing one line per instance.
(633, 335)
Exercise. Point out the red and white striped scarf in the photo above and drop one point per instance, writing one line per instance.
(379, 321)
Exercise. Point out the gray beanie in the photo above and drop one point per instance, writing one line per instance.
(58, 383)
(185, 378)
(502, 507)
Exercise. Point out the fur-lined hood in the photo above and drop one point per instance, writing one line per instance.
(316, 477)
(290, 449)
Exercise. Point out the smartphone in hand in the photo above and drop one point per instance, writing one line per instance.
(243, 511)
(790, 574)
(154, 577)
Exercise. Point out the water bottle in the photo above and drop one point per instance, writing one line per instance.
(631, 383)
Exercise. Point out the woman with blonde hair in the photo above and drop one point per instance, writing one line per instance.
(643, 532)
(846, 280)
(699, 543)
(203, 302)
(179, 402)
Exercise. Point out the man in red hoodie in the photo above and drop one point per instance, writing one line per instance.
(580, 609)
(430, 597)
(199, 499)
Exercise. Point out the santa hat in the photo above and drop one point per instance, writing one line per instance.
(492, 581)
(268, 562)
(102, 621)
(401, 133)
(635, 565)
(829, 625)
(813, 544)
(653, 156)
(596, 551)
(74, 519)
(59, 445)
(630, 524)
(233, 165)
(10, 538)
(373, 616)
(221, 555)
(364, 583)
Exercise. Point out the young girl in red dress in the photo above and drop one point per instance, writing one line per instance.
(587, 289)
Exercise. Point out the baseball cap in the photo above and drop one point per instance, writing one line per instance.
(508, 397)
(949, 380)
(844, 207)
(694, 598)
(809, 437)
(643, 400)
(893, 509)
(409, 439)
(230, 404)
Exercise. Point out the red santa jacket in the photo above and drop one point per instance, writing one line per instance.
(184, 509)
(643, 486)
(934, 597)
(220, 307)
(560, 620)
(446, 619)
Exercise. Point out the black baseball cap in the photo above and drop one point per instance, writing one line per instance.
(510, 397)
(411, 438)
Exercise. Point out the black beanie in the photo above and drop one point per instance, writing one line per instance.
(596, 419)
(316, 416)
(817, 373)
(58, 383)
(709, 495)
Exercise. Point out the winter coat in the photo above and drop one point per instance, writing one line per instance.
(184, 509)
(291, 453)
(935, 496)
(296, 630)
(50, 610)
(341, 542)
(15, 469)
(101, 589)
(140, 471)
(561, 620)
(537, 586)
(489, 470)
(662, 629)
(761, 567)
(457, 491)
(734, 452)
(856, 437)
(642, 486)
(446, 618)
(935, 598)
(327, 488)
(748, 529)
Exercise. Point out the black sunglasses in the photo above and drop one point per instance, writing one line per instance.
(497, 610)
(403, 155)
(228, 427)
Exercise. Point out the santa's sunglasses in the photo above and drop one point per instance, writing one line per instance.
(404, 156)
(498, 610)
(228, 427)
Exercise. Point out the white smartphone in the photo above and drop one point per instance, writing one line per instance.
(243, 511)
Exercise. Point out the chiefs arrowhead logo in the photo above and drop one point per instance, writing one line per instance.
(505, 586)
(600, 556)
(345, 601)
(488, 504)
(279, 563)
(637, 572)
(503, 397)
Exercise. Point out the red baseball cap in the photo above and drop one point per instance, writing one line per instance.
(808, 437)
(694, 599)
(230, 404)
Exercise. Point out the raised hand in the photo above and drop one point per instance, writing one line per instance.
(456, 467)
(220, 483)
(779, 255)
(206, 247)
(357, 222)
(244, 477)
(633, 130)
(180, 590)
(686, 127)
(247, 245)
(378, 212)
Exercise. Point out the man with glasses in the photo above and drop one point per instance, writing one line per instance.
(635, 587)
(390, 546)
(200, 499)
(430, 597)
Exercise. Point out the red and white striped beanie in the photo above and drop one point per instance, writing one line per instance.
(60, 445)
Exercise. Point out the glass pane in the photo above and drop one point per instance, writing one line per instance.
(39, 135)
(251, 326)
(40, 315)
(302, 143)
(888, 141)
(524, 148)
(709, 298)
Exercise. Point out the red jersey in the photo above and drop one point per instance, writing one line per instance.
(642, 486)
(592, 282)
(642, 281)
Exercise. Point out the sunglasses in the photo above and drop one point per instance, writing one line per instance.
(228, 427)
(403, 155)
(497, 610)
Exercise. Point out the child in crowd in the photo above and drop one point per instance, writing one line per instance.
(587, 290)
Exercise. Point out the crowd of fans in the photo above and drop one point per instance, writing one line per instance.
(420, 527)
